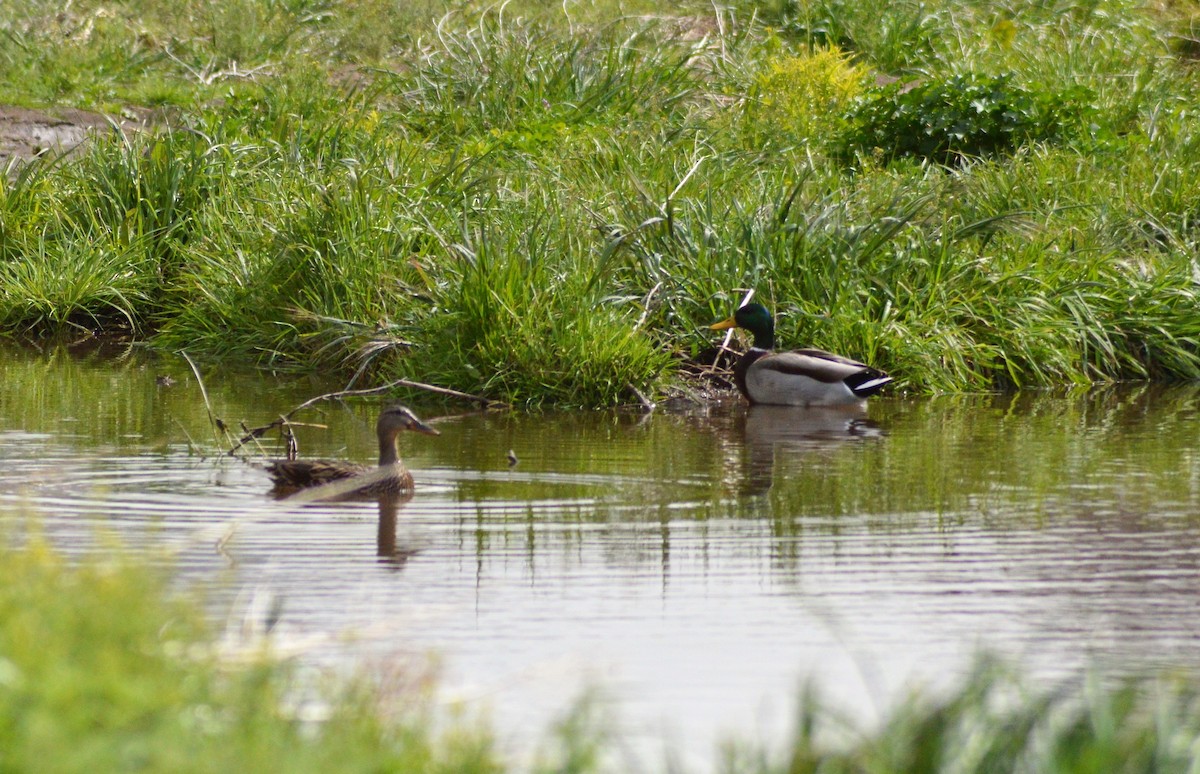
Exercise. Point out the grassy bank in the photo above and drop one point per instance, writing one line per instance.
(101, 669)
(548, 203)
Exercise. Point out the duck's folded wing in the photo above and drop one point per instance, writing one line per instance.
(305, 473)
(815, 364)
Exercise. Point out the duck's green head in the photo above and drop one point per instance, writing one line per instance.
(754, 318)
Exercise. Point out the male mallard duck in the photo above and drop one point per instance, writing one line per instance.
(391, 477)
(803, 377)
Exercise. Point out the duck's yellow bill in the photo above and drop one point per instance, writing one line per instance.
(730, 323)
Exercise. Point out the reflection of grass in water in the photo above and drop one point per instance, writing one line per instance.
(102, 670)
(1008, 460)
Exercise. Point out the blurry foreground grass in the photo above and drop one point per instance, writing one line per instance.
(101, 669)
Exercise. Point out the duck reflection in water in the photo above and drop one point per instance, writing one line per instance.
(390, 484)
(389, 551)
(765, 429)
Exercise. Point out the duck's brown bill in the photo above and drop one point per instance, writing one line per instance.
(420, 427)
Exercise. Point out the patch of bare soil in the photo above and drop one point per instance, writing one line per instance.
(27, 133)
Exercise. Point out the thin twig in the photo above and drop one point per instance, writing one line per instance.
(246, 429)
(646, 306)
(216, 423)
(647, 404)
(293, 448)
(480, 399)
(209, 76)
(284, 419)
(729, 334)
(192, 447)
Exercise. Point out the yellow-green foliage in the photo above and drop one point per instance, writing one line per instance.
(102, 669)
(805, 95)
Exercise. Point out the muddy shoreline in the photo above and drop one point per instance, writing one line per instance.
(26, 133)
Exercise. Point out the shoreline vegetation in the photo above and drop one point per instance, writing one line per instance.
(103, 668)
(548, 204)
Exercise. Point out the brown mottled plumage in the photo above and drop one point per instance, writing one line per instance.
(390, 477)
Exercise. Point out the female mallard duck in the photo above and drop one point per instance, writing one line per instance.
(803, 377)
(391, 477)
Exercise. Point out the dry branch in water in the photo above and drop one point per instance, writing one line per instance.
(285, 419)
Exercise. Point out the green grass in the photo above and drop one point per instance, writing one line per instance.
(997, 722)
(548, 204)
(102, 668)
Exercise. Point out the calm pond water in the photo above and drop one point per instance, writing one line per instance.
(695, 566)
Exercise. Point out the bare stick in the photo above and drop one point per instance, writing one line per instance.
(293, 448)
(216, 423)
(646, 306)
(729, 333)
(647, 404)
(192, 447)
(480, 399)
(257, 432)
